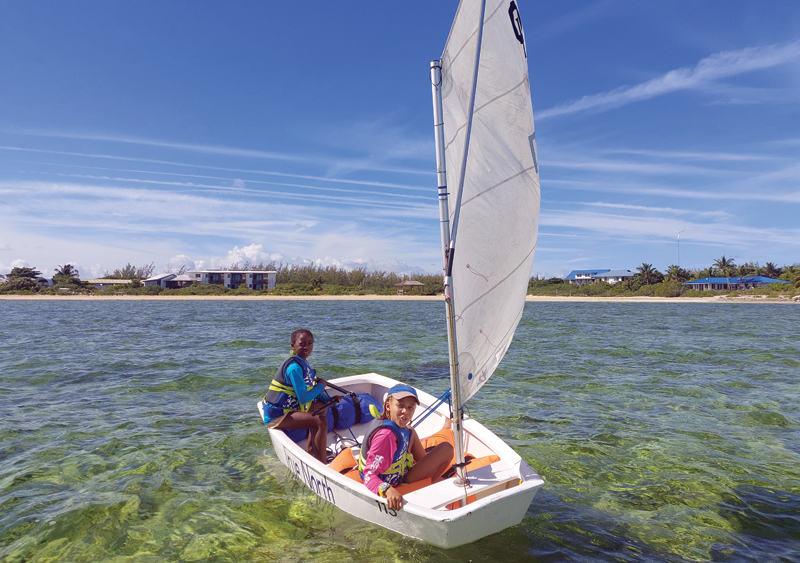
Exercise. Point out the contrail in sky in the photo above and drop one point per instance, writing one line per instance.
(707, 71)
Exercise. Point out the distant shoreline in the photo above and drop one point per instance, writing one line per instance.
(533, 298)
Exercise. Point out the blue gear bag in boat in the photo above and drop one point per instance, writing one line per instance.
(346, 413)
(343, 415)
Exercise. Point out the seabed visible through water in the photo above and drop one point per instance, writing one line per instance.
(664, 432)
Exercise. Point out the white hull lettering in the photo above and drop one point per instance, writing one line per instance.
(313, 480)
(385, 508)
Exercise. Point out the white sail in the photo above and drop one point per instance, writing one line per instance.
(496, 227)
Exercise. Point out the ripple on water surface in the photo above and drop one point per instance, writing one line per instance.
(129, 430)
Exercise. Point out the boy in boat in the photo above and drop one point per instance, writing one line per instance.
(392, 453)
(295, 392)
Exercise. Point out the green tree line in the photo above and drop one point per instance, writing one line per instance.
(650, 281)
(314, 279)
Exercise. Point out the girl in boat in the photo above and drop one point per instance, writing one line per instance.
(392, 454)
(295, 392)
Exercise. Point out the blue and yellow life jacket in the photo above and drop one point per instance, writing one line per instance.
(402, 460)
(281, 397)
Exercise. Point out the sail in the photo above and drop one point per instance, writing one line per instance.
(498, 214)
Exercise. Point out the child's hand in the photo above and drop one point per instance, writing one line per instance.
(394, 499)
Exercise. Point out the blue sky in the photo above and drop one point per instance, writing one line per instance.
(203, 133)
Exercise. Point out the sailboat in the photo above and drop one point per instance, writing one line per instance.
(488, 188)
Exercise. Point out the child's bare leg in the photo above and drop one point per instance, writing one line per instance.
(435, 462)
(319, 437)
(318, 431)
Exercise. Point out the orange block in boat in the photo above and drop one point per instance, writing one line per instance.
(345, 460)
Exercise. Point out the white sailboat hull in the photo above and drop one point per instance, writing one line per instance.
(502, 491)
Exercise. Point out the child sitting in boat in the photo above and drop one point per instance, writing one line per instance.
(295, 392)
(392, 453)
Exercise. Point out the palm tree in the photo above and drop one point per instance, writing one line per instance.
(772, 271)
(67, 271)
(724, 265)
(677, 273)
(66, 274)
(747, 269)
(698, 274)
(648, 274)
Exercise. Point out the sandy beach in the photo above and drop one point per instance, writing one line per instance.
(534, 298)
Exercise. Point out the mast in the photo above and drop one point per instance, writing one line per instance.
(449, 240)
(444, 222)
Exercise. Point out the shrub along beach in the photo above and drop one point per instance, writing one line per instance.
(314, 280)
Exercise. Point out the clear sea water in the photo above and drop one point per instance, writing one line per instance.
(664, 432)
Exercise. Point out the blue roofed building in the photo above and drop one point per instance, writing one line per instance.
(744, 282)
(582, 277)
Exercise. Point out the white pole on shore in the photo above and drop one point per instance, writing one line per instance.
(679, 245)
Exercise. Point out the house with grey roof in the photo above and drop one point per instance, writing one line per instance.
(170, 281)
(104, 283)
(615, 276)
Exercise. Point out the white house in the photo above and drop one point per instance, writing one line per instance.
(614, 276)
(232, 279)
(170, 281)
(159, 280)
(581, 277)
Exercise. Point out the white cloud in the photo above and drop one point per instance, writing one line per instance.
(177, 262)
(369, 264)
(255, 254)
(380, 141)
(630, 167)
(694, 155)
(206, 149)
(703, 75)
(569, 21)
(363, 164)
(666, 210)
(18, 263)
(637, 229)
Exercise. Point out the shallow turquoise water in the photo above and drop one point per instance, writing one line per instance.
(664, 432)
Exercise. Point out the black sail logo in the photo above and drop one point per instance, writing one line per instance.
(516, 23)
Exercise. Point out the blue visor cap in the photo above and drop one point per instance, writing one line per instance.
(402, 391)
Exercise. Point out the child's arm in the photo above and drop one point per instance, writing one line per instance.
(415, 447)
(295, 374)
(379, 459)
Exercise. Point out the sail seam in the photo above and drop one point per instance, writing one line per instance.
(458, 130)
(487, 190)
(458, 53)
(509, 334)
(471, 35)
(486, 104)
(524, 80)
(495, 286)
